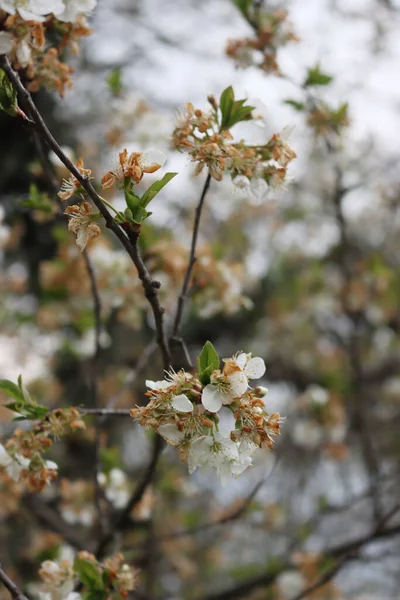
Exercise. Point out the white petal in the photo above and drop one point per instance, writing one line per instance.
(51, 465)
(170, 432)
(224, 473)
(82, 238)
(211, 398)
(5, 458)
(159, 386)
(182, 403)
(255, 368)
(241, 360)
(5, 42)
(23, 53)
(242, 182)
(237, 384)
(238, 467)
(153, 157)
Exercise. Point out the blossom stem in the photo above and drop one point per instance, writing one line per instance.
(110, 206)
(192, 259)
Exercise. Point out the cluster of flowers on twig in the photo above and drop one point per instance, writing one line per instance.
(272, 30)
(206, 137)
(185, 410)
(35, 33)
(22, 457)
(110, 579)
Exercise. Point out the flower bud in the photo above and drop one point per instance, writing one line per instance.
(260, 391)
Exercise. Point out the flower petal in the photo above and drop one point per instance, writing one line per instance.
(211, 398)
(170, 432)
(255, 368)
(238, 384)
(152, 160)
(182, 403)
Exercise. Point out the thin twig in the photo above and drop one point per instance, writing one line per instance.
(192, 259)
(51, 519)
(232, 516)
(130, 244)
(106, 412)
(350, 555)
(349, 549)
(98, 492)
(136, 497)
(15, 592)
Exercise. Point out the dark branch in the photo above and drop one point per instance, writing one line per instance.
(15, 592)
(149, 285)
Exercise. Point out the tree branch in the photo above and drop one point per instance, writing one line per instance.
(149, 285)
(15, 592)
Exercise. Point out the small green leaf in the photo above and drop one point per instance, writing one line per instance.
(208, 361)
(8, 96)
(225, 105)
(11, 390)
(243, 6)
(155, 187)
(88, 574)
(297, 105)
(317, 77)
(242, 114)
(132, 201)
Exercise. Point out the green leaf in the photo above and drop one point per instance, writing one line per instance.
(155, 187)
(208, 361)
(114, 81)
(132, 201)
(11, 390)
(8, 96)
(88, 574)
(243, 6)
(317, 77)
(242, 114)
(225, 105)
(297, 105)
(95, 595)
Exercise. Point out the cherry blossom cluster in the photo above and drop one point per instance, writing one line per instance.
(34, 34)
(206, 137)
(22, 457)
(272, 30)
(112, 578)
(186, 410)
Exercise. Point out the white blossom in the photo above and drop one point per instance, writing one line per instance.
(32, 10)
(237, 372)
(73, 8)
(220, 452)
(13, 464)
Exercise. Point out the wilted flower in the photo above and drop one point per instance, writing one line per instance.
(81, 223)
(70, 186)
(133, 166)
